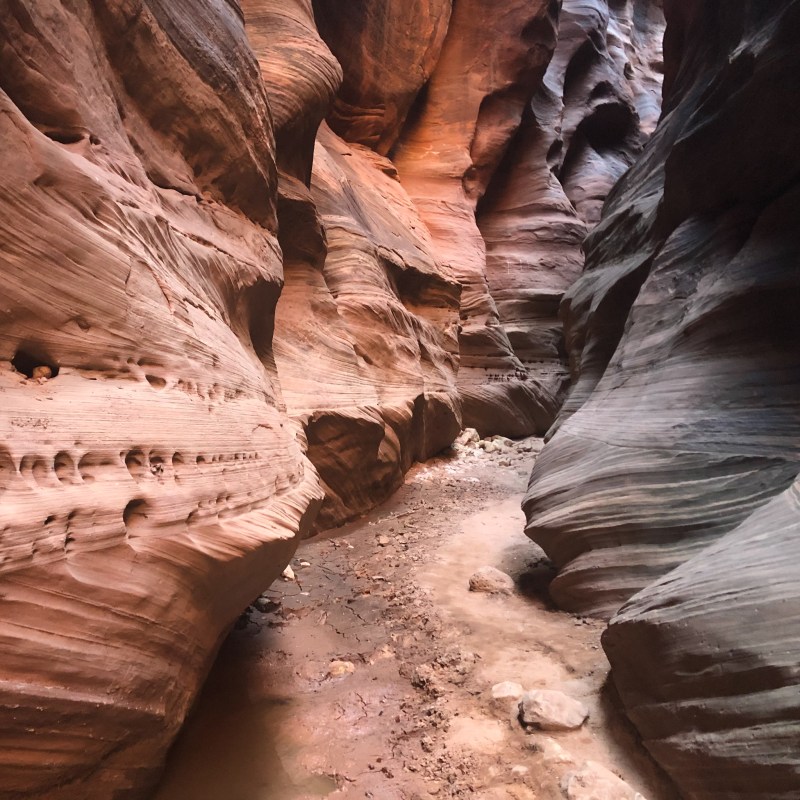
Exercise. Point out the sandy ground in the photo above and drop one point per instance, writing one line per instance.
(370, 675)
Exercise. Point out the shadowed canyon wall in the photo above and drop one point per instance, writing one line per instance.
(669, 480)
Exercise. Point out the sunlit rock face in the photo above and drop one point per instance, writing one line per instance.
(365, 339)
(506, 135)
(366, 330)
(670, 482)
(187, 318)
(153, 483)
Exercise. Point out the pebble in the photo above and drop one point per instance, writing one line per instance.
(592, 781)
(549, 710)
(552, 752)
(336, 669)
(288, 574)
(491, 580)
(505, 693)
(468, 436)
(265, 604)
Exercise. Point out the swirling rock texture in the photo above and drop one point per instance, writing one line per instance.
(452, 145)
(708, 661)
(156, 430)
(582, 129)
(692, 422)
(151, 482)
(685, 417)
(365, 338)
(388, 51)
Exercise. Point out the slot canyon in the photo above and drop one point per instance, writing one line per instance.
(399, 399)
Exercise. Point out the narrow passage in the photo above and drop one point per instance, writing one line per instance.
(370, 674)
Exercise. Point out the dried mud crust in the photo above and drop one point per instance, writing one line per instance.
(369, 674)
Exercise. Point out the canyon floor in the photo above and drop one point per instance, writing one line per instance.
(369, 675)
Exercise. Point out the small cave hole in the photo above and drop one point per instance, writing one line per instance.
(135, 514)
(65, 137)
(136, 462)
(64, 466)
(33, 366)
(155, 381)
(7, 469)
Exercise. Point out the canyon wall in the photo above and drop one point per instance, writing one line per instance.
(156, 430)
(259, 257)
(583, 127)
(668, 484)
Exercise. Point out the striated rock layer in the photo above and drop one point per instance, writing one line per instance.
(585, 123)
(505, 158)
(707, 661)
(446, 155)
(155, 431)
(685, 415)
(671, 479)
(151, 482)
(388, 50)
(365, 331)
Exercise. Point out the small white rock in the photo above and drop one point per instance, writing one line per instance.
(548, 710)
(338, 669)
(288, 574)
(552, 752)
(491, 580)
(468, 436)
(592, 781)
(507, 690)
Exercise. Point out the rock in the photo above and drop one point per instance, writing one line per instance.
(266, 605)
(340, 332)
(666, 494)
(425, 678)
(338, 669)
(140, 255)
(505, 61)
(548, 710)
(735, 609)
(468, 436)
(683, 416)
(42, 373)
(551, 751)
(507, 690)
(375, 41)
(505, 696)
(491, 580)
(383, 541)
(594, 782)
(288, 574)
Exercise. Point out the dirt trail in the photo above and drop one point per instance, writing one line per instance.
(370, 676)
